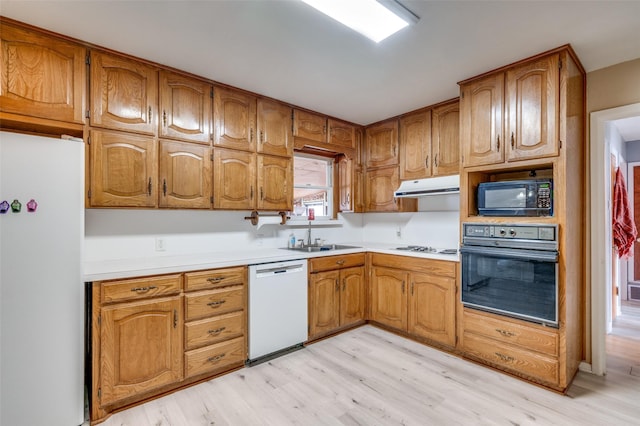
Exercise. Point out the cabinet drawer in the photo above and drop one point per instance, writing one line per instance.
(529, 338)
(214, 278)
(336, 262)
(511, 358)
(213, 330)
(444, 268)
(215, 357)
(214, 302)
(140, 288)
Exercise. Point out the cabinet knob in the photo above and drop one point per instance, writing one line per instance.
(513, 140)
(164, 118)
(498, 143)
(216, 304)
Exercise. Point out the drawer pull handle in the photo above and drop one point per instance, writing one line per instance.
(216, 304)
(215, 358)
(505, 358)
(143, 289)
(339, 262)
(505, 332)
(216, 279)
(217, 330)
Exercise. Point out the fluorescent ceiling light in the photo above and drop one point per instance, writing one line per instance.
(368, 17)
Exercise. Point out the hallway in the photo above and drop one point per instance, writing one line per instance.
(623, 343)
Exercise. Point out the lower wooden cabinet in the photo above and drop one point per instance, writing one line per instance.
(151, 335)
(414, 295)
(527, 350)
(336, 293)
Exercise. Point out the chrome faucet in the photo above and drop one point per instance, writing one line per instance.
(309, 235)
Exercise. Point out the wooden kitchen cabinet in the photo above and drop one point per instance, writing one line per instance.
(445, 142)
(43, 80)
(124, 94)
(341, 134)
(511, 115)
(415, 146)
(185, 108)
(185, 175)
(415, 295)
(336, 293)
(123, 170)
(380, 185)
(215, 321)
(234, 179)
(275, 183)
(345, 184)
(381, 144)
(275, 136)
(234, 117)
(309, 126)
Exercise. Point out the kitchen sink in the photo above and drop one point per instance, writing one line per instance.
(326, 247)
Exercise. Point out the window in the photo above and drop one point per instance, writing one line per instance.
(312, 186)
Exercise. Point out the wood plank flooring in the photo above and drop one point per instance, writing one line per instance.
(368, 376)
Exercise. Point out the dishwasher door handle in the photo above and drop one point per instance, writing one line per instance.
(261, 273)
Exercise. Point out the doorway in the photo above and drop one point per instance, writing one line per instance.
(600, 300)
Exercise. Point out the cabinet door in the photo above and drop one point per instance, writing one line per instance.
(234, 179)
(381, 144)
(185, 175)
(379, 187)
(481, 118)
(352, 296)
(41, 76)
(341, 134)
(234, 117)
(124, 169)
(432, 308)
(275, 183)
(389, 297)
(345, 184)
(140, 348)
(124, 94)
(310, 126)
(274, 128)
(324, 302)
(532, 96)
(445, 133)
(185, 105)
(415, 146)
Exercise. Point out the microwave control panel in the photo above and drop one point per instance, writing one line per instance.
(544, 196)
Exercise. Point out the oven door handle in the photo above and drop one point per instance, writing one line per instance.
(524, 254)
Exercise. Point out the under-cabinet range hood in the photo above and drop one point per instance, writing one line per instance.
(440, 185)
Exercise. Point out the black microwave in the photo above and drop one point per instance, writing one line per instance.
(532, 197)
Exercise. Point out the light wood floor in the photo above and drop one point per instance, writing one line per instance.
(371, 377)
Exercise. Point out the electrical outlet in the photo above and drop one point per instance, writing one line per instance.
(399, 232)
(160, 244)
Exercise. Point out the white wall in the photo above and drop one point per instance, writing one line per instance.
(118, 233)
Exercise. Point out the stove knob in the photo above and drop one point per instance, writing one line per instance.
(503, 232)
(512, 232)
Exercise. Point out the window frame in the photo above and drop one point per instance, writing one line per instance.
(330, 187)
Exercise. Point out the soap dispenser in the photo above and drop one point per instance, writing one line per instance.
(292, 240)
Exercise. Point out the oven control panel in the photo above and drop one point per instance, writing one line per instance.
(522, 232)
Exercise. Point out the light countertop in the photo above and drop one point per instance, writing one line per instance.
(137, 267)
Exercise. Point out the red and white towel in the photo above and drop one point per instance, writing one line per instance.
(624, 227)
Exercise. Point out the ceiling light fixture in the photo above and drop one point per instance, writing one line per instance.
(374, 19)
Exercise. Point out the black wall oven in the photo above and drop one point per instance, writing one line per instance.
(511, 270)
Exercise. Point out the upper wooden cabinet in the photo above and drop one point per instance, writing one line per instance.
(275, 183)
(275, 136)
(445, 133)
(42, 76)
(345, 184)
(381, 144)
(234, 116)
(415, 146)
(234, 179)
(123, 170)
(532, 94)
(379, 187)
(124, 94)
(341, 134)
(312, 127)
(185, 175)
(511, 115)
(481, 117)
(185, 108)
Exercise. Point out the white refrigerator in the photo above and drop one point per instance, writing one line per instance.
(41, 288)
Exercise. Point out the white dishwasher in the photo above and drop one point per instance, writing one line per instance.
(277, 309)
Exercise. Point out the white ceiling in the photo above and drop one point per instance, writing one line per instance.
(629, 128)
(287, 50)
